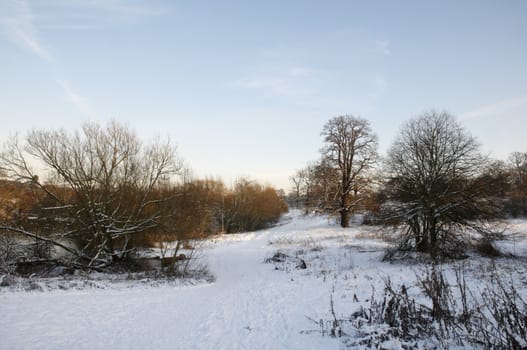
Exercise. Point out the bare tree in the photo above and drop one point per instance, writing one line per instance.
(518, 178)
(433, 187)
(298, 180)
(322, 184)
(101, 186)
(518, 163)
(351, 149)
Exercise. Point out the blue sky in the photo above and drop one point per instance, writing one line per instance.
(244, 87)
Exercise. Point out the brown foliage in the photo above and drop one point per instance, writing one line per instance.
(199, 208)
(251, 206)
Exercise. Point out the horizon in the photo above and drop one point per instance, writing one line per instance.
(244, 89)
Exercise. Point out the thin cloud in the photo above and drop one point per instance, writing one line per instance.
(497, 109)
(276, 85)
(312, 88)
(116, 7)
(77, 100)
(19, 18)
(379, 83)
(300, 72)
(290, 83)
(382, 46)
(19, 24)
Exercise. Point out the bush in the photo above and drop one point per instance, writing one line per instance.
(251, 206)
(493, 317)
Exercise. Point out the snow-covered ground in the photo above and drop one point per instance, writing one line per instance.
(250, 305)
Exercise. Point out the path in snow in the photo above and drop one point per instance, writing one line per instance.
(250, 306)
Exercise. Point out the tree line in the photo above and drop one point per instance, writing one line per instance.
(434, 183)
(100, 192)
(104, 192)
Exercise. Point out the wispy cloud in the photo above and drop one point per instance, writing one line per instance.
(382, 46)
(272, 83)
(318, 89)
(126, 8)
(498, 108)
(71, 95)
(286, 83)
(19, 24)
(278, 86)
(110, 7)
(300, 71)
(18, 20)
(379, 83)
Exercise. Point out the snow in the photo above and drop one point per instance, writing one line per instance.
(250, 305)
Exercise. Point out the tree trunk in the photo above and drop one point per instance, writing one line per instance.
(108, 246)
(434, 246)
(421, 236)
(344, 218)
(422, 244)
(344, 210)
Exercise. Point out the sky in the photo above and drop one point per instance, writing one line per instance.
(244, 88)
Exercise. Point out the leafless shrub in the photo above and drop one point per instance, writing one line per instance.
(503, 318)
(40, 249)
(492, 318)
(401, 312)
(379, 233)
(487, 248)
(102, 189)
(180, 258)
(396, 316)
(283, 261)
(8, 253)
(399, 316)
(437, 289)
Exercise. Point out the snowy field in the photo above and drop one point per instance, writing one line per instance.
(253, 303)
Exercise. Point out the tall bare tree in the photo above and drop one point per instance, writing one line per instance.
(351, 149)
(434, 185)
(101, 183)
